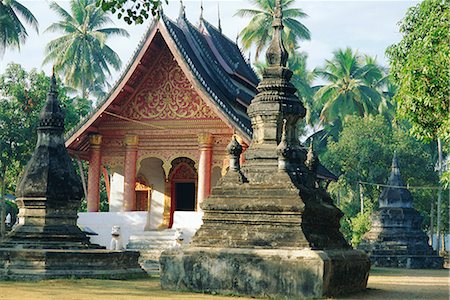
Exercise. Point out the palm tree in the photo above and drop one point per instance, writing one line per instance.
(81, 54)
(259, 30)
(353, 86)
(12, 31)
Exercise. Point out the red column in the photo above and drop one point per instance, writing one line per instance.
(95, 161)
(204, 167)
(129, 195)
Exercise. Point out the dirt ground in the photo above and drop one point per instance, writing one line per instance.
(383, 284)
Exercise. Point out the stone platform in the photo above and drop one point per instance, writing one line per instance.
(37, 264)
(265, 272)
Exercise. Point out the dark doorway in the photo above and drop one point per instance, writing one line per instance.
(185, 196)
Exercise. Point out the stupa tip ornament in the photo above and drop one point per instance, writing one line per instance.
(276, 54)
(52, 116)
(394, 166)
(234, 148)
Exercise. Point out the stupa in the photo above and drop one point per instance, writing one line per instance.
(269, 228)
(47, 242)
(396, 238)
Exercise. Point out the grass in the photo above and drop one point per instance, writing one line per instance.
(383, 284)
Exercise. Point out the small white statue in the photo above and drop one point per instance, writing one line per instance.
(8, 220)
(179, 238)
(116, 240)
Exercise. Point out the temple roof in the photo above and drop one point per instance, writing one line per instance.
(221, 75)
(228, 86)
(395, 194)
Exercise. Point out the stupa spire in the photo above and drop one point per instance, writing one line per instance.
(395, 194)
(276, 54)
(43, 176)
(52, 117)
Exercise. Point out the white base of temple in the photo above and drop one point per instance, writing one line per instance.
(133, 223)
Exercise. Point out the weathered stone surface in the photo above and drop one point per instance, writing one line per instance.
(270, 273)
(269, 229)
(47, 242)
(37, 264)
(396, 238)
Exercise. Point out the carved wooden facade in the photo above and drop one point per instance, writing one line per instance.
(163, 129)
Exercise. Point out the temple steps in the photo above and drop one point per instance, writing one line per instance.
(150, 244)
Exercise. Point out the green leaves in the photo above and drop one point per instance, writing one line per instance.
(81, 54)
(420, 66)
(355, 87)
(12, 31)
(259, 31)
(132, 11)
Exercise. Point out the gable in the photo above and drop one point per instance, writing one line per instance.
(166, 94)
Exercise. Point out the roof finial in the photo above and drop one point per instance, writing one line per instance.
(201, 10)
(182, 13)
(394, 167)
(276, 54)
(53, 81)
(218, 17)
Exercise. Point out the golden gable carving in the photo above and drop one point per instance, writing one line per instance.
(167, 94)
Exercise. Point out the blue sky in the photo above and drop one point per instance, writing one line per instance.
(368, 26)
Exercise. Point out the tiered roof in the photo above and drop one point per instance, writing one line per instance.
(216, 63)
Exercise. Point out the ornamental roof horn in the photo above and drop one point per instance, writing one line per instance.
(276, 54)
(182, 12)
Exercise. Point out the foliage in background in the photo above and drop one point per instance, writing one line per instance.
(132, 11)
(258, 32)
(12, 32)
(81, 54)
(420, 66)
(355, 84)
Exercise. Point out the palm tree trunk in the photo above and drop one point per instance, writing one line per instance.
(3, 202)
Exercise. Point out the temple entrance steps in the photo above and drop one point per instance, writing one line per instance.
(150, 244)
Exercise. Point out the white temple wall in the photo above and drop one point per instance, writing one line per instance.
(130, 223)
(151, 169)
(116, 192)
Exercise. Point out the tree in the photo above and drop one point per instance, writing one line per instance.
(81, 54)
(363, 153)
(12, 31)
(420, 67)
(22, 96)
(132, 11)
(259, 30)
(352, 87)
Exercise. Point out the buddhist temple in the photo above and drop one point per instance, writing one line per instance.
(159, 138)
(396, 238)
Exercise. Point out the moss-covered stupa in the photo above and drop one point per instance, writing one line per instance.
(269, 229)
(47, 242)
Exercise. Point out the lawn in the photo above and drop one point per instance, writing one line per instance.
(383, 284)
